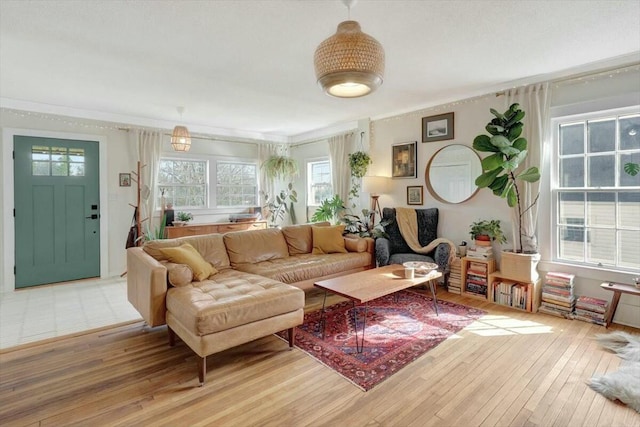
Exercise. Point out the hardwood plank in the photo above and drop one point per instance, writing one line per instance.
(508, 368)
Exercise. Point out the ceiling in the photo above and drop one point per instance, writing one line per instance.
(245, 67)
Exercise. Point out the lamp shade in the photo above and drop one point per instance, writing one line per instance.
(350, 63)
(180, 139)
(375, 185)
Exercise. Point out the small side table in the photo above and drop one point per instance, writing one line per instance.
(618, 289)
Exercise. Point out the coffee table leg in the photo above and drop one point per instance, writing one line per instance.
(433, 293)
(322, 319)
(359, 343)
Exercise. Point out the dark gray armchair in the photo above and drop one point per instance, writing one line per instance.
(394, 250)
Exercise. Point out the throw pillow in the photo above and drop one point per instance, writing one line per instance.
(178, 274)
(328, 240)
(187, 254)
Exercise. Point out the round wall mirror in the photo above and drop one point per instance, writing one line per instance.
(451, 173)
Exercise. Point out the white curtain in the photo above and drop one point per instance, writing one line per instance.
(339, 148)
(149, 149)
(535, 100)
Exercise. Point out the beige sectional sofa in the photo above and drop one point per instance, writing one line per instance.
(256, 287)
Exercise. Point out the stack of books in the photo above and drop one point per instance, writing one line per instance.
(557, 295)
(455, 276)
(476, 278)
(480, 252)
(589, 309)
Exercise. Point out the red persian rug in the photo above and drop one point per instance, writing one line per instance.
(398, 331)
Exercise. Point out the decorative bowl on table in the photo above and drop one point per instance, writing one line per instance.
(422, 268)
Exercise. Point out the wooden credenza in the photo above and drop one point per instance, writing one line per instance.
(216, 227)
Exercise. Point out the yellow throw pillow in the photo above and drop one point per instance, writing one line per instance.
(328, 240)
(187, 254)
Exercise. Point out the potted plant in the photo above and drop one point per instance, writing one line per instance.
(280, 205)
(284, 168)
(280, 167)
(501, 174)
(182, 218)
(487, 230)
(329, 210)
(359, 162)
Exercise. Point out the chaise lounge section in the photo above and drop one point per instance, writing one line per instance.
(245, 285)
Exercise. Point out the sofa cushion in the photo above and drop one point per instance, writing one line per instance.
(210, 246)
(255, 246)
(187, 254)
(298, 268)
(178, 274)
(355, 244)
(229, 299)
(299, 238)
(328, 240)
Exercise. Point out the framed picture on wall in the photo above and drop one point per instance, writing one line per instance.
(414, 194)
(403, 160)
(125, 180)
(437, 128)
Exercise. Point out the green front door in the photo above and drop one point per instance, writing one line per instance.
(57, 211)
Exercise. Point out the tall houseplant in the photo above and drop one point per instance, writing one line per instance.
(283, 168)
(500, 169)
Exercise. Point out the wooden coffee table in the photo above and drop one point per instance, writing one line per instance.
(368, 285)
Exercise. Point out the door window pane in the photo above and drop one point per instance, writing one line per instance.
(629, 210)
(570, 247)
(571, 208)
(628, 248)
(601, 246)
(627, 180)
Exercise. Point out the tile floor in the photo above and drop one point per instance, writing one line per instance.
(42, 312)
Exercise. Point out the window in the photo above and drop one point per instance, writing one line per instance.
(597, 204)
(319, 181)
(57, 161)
(184, 182)
(236, 184)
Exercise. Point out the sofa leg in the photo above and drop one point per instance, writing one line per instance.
(292, 337)
(202, 369)
(172, 337)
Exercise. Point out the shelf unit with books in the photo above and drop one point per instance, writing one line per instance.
(517, 294)
(475, 276)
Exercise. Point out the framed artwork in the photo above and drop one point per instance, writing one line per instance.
(437, 128)
(414, 194)
(125, 180)
(403, 160)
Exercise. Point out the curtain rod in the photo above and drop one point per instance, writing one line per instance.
(298, 144)
(582, 76)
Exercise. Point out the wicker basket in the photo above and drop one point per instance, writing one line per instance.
(522, 267)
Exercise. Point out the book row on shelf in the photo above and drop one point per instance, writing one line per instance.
(480, 252)
(455, 276)
(515, 295)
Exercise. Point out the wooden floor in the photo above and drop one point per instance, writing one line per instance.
(509, 368)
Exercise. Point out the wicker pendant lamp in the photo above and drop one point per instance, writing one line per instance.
(350, 63)
(180, 137)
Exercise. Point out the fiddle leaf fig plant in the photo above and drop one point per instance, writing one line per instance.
(500, 169)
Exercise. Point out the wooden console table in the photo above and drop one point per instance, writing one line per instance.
(216, 227)
(618, 289)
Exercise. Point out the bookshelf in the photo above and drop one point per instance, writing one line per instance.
(476, 277)
(530, 291)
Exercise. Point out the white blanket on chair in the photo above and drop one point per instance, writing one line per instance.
(408, 225)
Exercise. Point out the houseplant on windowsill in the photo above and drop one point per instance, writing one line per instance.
(501, 174)
(182, 218)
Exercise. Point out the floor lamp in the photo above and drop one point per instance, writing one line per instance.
(375, 186)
